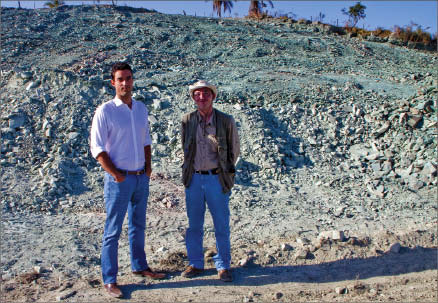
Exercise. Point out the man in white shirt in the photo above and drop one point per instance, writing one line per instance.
(121, 142)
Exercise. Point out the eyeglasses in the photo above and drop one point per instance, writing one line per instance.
(199, 93)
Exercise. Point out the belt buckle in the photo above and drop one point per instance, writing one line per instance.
(138, 173)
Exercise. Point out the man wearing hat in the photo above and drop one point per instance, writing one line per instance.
(211, 147)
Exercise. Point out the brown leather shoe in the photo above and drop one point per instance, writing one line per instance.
(113, 290)
(191, 272)
(149, 273)
(225, 275)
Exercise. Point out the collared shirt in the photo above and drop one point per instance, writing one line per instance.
(206, 157)
(121, 132)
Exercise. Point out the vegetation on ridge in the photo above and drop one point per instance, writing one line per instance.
(412, 35)
(54, 3)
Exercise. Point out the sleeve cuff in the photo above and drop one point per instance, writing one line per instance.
(96, 151)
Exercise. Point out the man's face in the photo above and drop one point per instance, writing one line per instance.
(204, 99)
(123, 83)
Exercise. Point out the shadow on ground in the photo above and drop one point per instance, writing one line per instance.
(287, 145)
(408, 261)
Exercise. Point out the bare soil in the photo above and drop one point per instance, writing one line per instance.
(359, 270)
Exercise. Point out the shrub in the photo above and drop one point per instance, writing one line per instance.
(381, 32)
(413, 33)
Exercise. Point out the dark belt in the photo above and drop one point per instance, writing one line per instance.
(129, 172)
(213, 171)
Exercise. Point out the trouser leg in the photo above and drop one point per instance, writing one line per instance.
(218, 204)
(117, 196)
(195, 206)
(137, 223)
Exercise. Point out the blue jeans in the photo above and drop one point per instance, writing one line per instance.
(206, 189)
(130, 195)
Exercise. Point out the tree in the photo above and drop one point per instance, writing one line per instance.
(217, 6)
(256, 7)
(19, 4)
(355, 13)
(54, 3)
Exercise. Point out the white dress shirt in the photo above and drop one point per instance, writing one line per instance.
(121, 132)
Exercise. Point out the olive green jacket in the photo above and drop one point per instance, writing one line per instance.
(224, 125)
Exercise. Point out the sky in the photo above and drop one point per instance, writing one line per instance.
(385, 14)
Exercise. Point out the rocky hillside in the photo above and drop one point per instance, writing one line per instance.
(336, 181)
(344, 126)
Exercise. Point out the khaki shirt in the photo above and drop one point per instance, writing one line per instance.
(206, 157)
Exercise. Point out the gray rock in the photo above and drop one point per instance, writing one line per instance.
(65, 295)
(286, 247)
(382, 129)
(157, 105)
(415, 184)
(359, 151)
(338, 235)
(378, 192)
(16, 120)
(73, 135)
(429, 169)
(301, 254)
(395, 248)
(32, 85)
(341, 290)
(26, 75)
(245, 261)
(152, 120)
(332, 234)
(413, 121)
(302, 241)
(339, 211)
(161, 249)
(375, 166)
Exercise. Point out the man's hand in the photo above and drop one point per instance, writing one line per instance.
(109, 167)
(148, 171)
(147, 160)
(119, 177)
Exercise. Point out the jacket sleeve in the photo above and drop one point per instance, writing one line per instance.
(235, 142)
(182, 132)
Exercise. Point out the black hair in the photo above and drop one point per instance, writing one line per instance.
(119, 66)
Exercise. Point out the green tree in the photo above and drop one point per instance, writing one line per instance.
(355, 13)
(54, 3)
(217, 6)
(256, 7)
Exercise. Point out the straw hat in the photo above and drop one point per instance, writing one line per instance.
(201, 84)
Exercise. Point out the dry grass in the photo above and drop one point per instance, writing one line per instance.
(380, 32)
(259, 15)
(412, 33)
(28, 277)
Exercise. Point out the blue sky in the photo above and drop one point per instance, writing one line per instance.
(384, 14)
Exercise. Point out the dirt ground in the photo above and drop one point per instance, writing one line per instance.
(359, 270)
